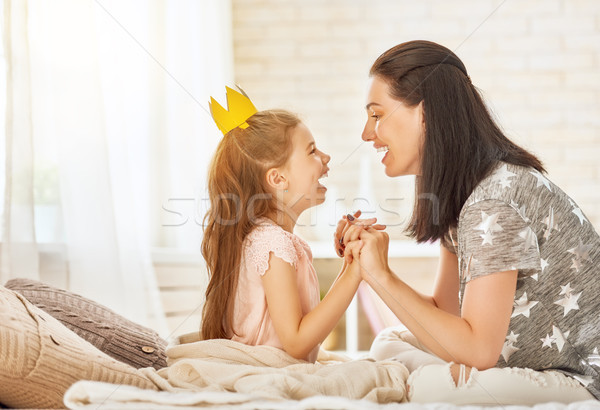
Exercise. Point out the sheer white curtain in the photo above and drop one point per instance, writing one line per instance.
(105, 127)
(19, 250)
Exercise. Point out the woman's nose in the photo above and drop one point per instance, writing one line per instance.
(368, 133)
(326, 158)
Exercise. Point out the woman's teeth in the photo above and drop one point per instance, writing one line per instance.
(382, 149)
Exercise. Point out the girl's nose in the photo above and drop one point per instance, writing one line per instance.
(326, 158)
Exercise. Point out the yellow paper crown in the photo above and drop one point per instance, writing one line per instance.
(239, 109)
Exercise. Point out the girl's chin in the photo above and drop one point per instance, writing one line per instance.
(320, 198)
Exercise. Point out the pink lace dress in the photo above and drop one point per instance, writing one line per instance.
(251, 319)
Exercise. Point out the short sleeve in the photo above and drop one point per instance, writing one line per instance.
(447, 241)
(264, 240)
(494, 237)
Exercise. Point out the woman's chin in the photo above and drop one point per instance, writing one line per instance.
(395, 172)
(389, 172)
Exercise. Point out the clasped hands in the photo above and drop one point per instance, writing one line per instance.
(364, 244)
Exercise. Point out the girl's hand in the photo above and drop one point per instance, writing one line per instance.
(374, 254)
(352, 259)
(341, 236)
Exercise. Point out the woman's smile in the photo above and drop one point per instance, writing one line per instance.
(385, 149)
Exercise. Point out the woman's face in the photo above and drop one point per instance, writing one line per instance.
(395, 127)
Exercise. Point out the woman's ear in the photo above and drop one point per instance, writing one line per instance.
(275, 179)
(421, 107)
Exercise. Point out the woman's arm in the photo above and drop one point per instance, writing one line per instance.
(475, 338)
(446, 285)
(300, 334)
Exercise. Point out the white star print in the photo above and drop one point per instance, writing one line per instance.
(569, 302)
(529, 236)
(559, 337)
(502, 176)
(547, 341)
(521, 210)
(584, 380)
(489, 223)
(507, 350)
(581, 251)
(551, 224)
(534, 276)
(522, 306)
(566, 290)
(512, 338)
(488, 237)
(594, 358)
(577, 211)
(541, 180)
(467, 271)
(544, 263)
(576, 265)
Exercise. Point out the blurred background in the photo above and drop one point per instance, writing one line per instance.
(107, 135)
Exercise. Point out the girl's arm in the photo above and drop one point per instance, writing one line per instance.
(300, 334)
(475, 338)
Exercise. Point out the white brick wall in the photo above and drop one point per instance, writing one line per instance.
(537, 62)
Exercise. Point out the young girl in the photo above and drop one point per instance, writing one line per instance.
(263, 288)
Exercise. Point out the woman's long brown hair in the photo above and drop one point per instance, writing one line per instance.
(462, 141)
(238, 197)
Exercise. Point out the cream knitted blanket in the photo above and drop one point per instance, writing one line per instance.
(254, 373)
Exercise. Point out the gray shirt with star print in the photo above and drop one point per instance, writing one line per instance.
(517, 219)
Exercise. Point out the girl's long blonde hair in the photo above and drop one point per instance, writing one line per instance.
(239, 195)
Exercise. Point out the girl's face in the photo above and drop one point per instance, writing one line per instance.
(395, 128)
(304, 168)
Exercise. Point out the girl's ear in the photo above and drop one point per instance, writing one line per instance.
(275, 179)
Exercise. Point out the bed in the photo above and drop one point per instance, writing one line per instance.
(212, 374)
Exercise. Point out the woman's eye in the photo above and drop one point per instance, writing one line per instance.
(376, 117)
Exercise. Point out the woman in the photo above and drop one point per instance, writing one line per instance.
(517, 280)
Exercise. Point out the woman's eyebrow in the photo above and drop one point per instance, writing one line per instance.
(370, 104)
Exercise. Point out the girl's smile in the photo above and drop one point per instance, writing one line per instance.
(305, 170)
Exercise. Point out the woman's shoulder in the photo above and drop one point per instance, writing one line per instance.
(511, 184)
(529, 193)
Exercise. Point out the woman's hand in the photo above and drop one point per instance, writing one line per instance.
(342, 236)
(374, 254)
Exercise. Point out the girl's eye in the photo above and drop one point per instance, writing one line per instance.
(376, 117)
(313, 151)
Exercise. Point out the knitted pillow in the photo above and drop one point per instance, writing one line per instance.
(111, 333)
(40, 358)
